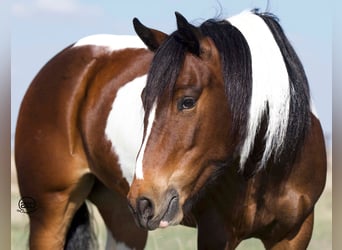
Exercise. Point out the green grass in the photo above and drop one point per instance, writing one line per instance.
(178, 237)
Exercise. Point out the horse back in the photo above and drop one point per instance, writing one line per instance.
(66, 105)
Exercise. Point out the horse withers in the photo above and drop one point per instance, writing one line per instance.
(229, 136)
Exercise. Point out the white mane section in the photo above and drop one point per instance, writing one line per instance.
(112, 42)
(270, 85)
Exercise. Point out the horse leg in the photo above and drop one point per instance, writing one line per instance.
(55, 211)
(113, 207)
(212, 233)
(296, 240)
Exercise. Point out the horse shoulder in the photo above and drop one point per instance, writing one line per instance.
(308, 174)
(111, 114)
(298, 192)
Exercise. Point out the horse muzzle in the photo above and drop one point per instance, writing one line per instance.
(150, 214)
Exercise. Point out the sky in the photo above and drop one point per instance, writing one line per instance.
(42, 28)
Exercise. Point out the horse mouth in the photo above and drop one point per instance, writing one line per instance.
(170, 212)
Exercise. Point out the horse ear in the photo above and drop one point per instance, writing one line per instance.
(151, 37)
(188, 35)
(194, 40)
(182, 23)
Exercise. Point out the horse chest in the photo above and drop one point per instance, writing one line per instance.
(125, 125)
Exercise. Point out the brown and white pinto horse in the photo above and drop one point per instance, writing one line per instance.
(230, 140)
(223, 138)
(73, 141)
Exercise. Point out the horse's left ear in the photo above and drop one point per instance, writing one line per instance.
(151, 37)
(188, 35)
(193, 39)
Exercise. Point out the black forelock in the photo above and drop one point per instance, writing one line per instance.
(165, 67)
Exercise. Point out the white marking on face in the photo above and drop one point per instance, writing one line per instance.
(139, 167)
(270, 84)
(125, 125)
(111, 42)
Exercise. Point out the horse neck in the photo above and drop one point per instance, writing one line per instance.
(233, 190)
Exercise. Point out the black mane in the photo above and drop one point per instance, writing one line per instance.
(236, 69)
(237, 74)
(165, 67)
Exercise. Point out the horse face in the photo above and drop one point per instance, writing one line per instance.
(185, 138)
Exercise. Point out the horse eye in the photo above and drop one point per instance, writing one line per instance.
(186, 102)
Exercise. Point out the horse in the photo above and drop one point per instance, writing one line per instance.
(171, 135)
(230, 140)
(77, 135)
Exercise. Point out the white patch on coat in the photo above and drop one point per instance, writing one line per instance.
(113, 244)
(111, 42)
(270, 85)
(125, 125)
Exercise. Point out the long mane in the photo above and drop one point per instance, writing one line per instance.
(270, 114)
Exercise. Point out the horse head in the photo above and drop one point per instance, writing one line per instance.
(187, 123)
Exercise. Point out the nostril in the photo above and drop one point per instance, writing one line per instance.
(145, 208)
